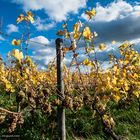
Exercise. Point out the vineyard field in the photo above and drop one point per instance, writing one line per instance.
(61, 80)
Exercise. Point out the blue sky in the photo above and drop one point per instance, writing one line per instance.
(115, 20)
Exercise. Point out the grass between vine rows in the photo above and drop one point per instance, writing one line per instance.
(82, 125)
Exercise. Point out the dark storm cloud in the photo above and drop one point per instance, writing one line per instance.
(120, 30)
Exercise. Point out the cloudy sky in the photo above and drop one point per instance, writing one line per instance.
(115, 20)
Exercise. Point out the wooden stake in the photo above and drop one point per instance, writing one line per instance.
(60, 89)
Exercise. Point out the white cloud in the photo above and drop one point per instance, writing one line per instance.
(45, 27)
(39, 39)
(113, 11)
(41, 25)
(118, 21)
(136, 43)
(136, 2)
(84, 16)
(11, 28)
(42, 54)
(67, 60)
(56, 9)
(105, 65)
(1, 38)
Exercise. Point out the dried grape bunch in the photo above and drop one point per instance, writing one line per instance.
(2, 117)
(14, 120)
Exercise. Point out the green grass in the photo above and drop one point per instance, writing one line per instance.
(127, 124)
(82, 125)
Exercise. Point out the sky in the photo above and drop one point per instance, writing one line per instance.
(117, 20)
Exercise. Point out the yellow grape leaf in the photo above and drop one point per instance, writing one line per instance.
(125, 45)
(73, 63)
(116, 98)
(120, 61)
(16, 42)
(124, 74)
(105, 117)
(73, 46)
(76, 35)
(113, 42)
(21, 93)
(115, 68)
(20, 18)
(132, 51)
(86, 61)
(126, 62)
(91, 13)
(3, 79)
(116, 89)
(17, 54)
(27, 70)
(8, 85)
(65, 49)
(112, 122)
(102, 46)
(67, 35)
(111, 57)
(87, 33)
(30, 17)
(64, 25)
(12, 90)
(30, 14)
(95, 34)
(126, 87)
(136, 93)
(60, 33)
(135, 75)
(88, 50)
(114, 80)
(76, 27)
(91, 64)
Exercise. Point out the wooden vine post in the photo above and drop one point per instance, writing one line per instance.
(60, 90)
